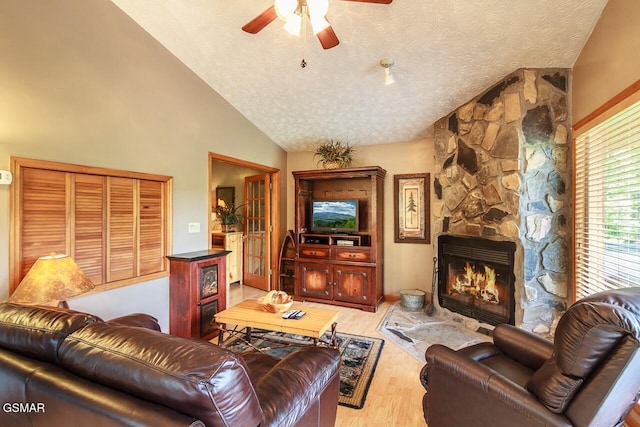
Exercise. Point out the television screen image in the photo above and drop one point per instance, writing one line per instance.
(335, 215)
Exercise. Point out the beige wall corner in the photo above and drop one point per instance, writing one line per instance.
(609, 61)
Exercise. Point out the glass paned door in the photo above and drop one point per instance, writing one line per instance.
(257, 227)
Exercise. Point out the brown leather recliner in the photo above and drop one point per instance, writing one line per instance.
(589, 375)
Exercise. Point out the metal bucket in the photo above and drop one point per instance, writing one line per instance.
(412, 299)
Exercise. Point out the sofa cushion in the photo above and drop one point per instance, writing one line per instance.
(37, 331)
(191, 376)
(294, 384)
(554, 389)
(258, 363)
(141, 320)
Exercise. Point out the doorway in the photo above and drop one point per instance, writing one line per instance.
(228, 172)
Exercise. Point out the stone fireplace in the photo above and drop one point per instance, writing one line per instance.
(477, 278)
(502, 174)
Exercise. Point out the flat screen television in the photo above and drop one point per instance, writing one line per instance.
(334, 216)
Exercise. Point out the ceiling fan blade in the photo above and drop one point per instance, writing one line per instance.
(372, 1)
(328, 38)
(261, 21)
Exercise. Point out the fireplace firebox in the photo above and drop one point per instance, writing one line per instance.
(476, 278)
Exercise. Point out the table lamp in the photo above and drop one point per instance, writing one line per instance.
(50, 281)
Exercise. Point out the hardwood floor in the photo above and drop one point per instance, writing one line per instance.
(395, 394)
(633, 420)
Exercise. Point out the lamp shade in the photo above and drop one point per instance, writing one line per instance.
(52, 278)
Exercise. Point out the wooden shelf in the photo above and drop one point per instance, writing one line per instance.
(335, 239)
(286, 277)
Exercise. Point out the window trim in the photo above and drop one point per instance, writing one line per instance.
(19, 163)
(619, 102)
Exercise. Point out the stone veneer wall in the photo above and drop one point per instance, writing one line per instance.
(502, 172)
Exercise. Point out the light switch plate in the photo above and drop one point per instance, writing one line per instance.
(5, 177)
(194, 227)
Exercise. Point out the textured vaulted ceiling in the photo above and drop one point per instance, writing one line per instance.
(445, 51)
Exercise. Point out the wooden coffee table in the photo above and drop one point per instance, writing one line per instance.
(249, 314)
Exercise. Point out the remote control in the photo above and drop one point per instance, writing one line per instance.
(299, 314)
(289, 314)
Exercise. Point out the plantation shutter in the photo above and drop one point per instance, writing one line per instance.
(121, 229)
(151, 220)
(44, 213)
(89, 226)
(112, 223)
(607, 204)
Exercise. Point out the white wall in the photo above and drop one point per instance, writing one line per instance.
(81, 83)
(406, 265)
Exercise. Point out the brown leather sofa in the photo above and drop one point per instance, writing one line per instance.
(589, 375)
(59, 368)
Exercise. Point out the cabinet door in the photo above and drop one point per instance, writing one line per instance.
(211, 294)
(315, 280)
(234, 259)
(353, 284)
(207, 326)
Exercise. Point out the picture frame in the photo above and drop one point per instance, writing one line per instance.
(411, 208)
(225, 196)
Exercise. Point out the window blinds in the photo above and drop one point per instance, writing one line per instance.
(607, 204)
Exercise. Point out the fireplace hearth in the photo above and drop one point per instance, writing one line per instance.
(476, 278)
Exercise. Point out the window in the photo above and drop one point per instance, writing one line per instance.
(607, 199)
(114, 224)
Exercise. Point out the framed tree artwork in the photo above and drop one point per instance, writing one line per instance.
(411, 208)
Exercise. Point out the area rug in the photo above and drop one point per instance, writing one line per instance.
(359, 358)
(414, 331)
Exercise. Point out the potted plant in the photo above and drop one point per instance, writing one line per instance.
(334, 154)
(229, 216)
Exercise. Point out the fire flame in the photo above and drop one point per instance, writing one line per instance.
(479, 284)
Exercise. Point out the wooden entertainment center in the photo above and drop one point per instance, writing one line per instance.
(340, 268)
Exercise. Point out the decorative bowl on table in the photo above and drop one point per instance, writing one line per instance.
(276, 302)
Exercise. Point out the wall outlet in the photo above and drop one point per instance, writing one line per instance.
(5, 177)
(194, 227)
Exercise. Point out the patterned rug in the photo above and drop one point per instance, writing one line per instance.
(414, 331)
(359, 357)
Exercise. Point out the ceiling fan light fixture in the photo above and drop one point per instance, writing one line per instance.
(303, 11)
(318, 23)
(285, 8)
(294, 11)
(293, 24)
(318, 8)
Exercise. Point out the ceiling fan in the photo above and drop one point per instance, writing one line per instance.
(295, 12)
